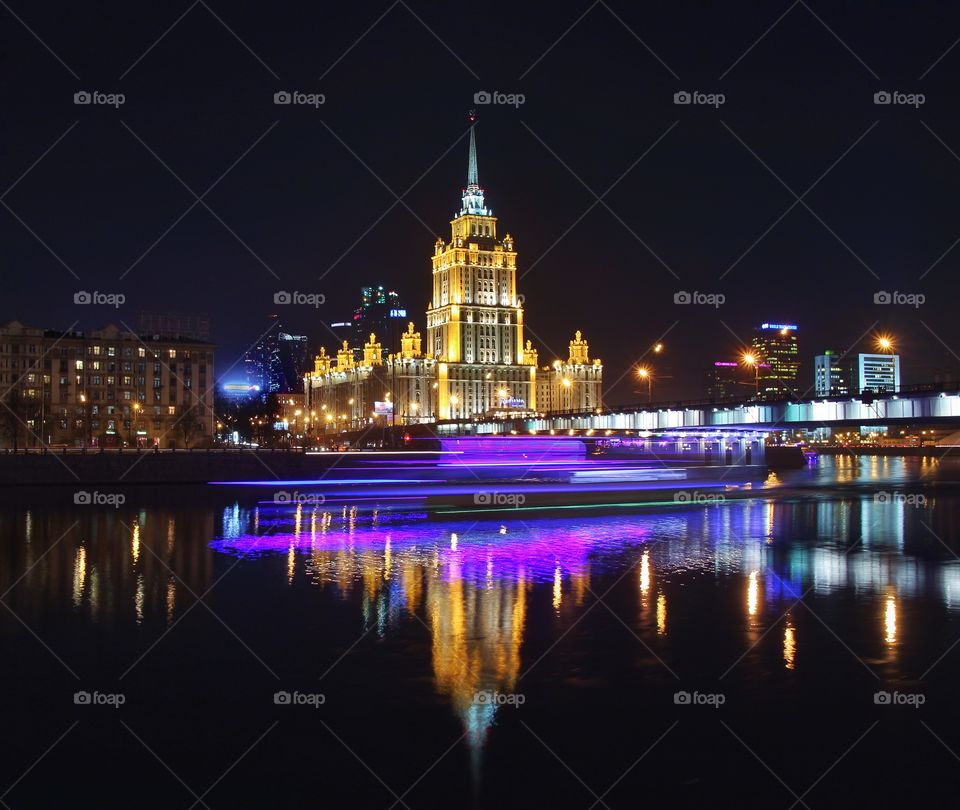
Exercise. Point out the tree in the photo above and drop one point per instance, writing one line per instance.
(12, 417)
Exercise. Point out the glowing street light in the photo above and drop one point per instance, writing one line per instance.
(885, 344)
(644, 373)
(750, 359)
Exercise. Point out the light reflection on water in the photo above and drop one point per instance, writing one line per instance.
(470, 582)
(474, 584)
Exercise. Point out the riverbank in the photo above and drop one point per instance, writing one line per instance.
(929, 452)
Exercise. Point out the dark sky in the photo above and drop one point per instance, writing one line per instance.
(599, 93)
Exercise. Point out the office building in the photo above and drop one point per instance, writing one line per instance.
(775, 346)
(832, 374)
(726, 380)
(878, 373)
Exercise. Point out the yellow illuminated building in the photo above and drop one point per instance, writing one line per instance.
(474, 360)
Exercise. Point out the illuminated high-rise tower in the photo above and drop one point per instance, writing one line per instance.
(475, 320)
(474, 361)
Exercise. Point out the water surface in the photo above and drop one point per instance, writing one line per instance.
(487, 660)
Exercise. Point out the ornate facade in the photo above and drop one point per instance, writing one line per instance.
(475, 360)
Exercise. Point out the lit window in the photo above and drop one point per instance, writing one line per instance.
(173, 353)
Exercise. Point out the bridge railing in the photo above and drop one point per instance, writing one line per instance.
(702, 403)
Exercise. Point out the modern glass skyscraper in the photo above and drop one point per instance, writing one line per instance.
(775, 345)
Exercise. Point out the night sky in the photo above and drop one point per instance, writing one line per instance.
(295, 189)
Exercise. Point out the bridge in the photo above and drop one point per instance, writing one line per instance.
(933, 406)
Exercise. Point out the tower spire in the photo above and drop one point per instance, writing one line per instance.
(472, 177)
(473, 193)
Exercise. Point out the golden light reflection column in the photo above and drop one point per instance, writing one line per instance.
(171, 598)
(79, 575)
(661, 614)
(753, 606)
(890, 620)
(753, 593)
(789, 643)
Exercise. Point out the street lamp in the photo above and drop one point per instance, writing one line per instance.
(885, 344)
(86, 420)
(454, 400)
(644, 373)
(136, 421)
(750, 359)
